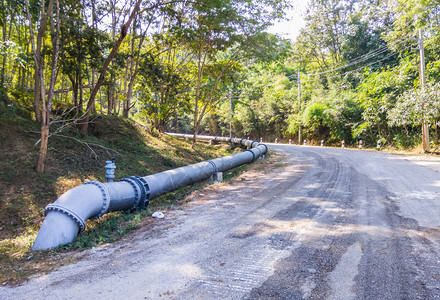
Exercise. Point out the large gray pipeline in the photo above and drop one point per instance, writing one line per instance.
(68, 214)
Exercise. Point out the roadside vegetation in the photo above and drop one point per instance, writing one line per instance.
(82, 82)
(72, 161)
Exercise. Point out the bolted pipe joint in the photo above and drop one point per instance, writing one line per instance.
(68, 214)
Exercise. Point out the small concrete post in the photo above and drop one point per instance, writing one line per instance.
(290, 141)
(378, 144)
(261, 139)
(305, 142)
(110, 170)
(360, 144)
(322, 143)
(343, 144)
(217, 177)
(276, 141)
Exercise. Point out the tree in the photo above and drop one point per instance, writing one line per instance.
(416, 105)
(213, 27)
(55, 23)
(115, 49)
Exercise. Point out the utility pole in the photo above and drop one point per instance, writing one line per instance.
(299, 111)
(230, 119)
(425, 129)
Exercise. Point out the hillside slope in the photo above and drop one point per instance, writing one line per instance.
(72, 161)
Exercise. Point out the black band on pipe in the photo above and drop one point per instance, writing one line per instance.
(145, 191)
(134, 184)
(214, 166)
(267, 149)
(254, 158)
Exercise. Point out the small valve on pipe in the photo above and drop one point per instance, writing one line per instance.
(110, 170)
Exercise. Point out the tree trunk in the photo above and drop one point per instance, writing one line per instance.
(81, 94)
(92, 85)
(46, 105)
(74, 82)
(37, 108)
(2, 79)
(43, 148)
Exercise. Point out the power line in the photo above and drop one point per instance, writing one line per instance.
(358, 59)
(336, 75)
(362, 67)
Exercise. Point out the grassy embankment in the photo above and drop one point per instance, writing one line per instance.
(72, 161)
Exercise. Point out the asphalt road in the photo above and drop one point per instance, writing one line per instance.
(325, 224)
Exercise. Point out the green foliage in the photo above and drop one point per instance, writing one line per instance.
(414, 106)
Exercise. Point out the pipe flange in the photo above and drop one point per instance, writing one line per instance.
(145, 191)
(135, 186)
(105, 197)
(56, 207)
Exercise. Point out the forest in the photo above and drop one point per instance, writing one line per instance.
(359, 70)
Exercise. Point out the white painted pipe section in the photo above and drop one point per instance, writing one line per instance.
(68, 214)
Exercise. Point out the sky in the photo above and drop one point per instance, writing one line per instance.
(290, 29)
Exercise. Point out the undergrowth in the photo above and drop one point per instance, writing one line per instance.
(72, 160)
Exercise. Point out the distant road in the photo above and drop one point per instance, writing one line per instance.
(326, 223)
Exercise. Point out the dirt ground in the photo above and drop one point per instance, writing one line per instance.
(319, 223)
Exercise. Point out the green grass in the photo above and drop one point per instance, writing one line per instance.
(71, 161)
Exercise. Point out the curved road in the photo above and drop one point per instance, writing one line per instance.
(325, 224)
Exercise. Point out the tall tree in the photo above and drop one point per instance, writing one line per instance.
(46, 15)
(115, 49)
(212, 28)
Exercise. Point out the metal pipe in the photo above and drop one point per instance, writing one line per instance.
(68, 214)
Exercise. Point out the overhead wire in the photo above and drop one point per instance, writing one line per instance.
(359, 59)
(362, 67)
(337, 75)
